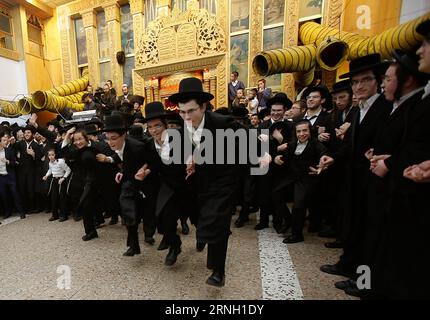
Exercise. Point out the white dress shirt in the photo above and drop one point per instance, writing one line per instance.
(426, 90)
(300, 148)
(196, 134)
(164, 149)
(398, 103)
(58, 169)
(365, 105)
(120, 152)
(313, 118)
(3, 170)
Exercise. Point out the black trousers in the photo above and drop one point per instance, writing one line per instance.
(88, 213)
(26, 186)
(168, 221)
(217, 254)
(58, 198)
(133, 237)
(8, 187)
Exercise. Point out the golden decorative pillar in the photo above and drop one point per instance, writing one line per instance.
(89, 20)
(332, 14)
(148, 92)
(156, 89)
(256, 37)
(114, 38)
(137, 11)
(291, 37)
(65, 26)
(212, 88)
(223, 67)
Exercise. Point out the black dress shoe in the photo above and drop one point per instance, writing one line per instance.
(77, 218)
(284, 228)
(163, 244)
(62, 219)
(185, 228)
(200, 246)
(216, 279)
(334, 269)
(22, 216)
(53, 218)
(149, 240)
(113, 221)
(327, 233)
(90, 236)
(355, 292)
(293, 239)
(261, 226)
(333, 245)
(253, 209)
(342, 285)
(131, 252)
(172, 256)
(240, 222)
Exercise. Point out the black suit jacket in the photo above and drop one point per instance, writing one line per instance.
(10, 154)
(27, 162)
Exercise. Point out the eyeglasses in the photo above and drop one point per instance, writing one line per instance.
(313, 97)
(190, 111)
(365, 80)
(155, 127)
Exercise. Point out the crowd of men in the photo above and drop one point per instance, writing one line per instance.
(353, 162)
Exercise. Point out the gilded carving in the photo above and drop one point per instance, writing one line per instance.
(112, 12)
(89, 18)
(222, 68)
(332, 15)
(136, 6)
(256, 33)
(138, 84)
(91, 36)
(291, 34)
(77, 7)
(210, 36)
(186, 40)
(64, 26)
(138, 28)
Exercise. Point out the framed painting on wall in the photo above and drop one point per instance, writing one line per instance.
(239, 56)
(81, 42)
(273, 11)
(310, 9)
(127, 38)
(239, 15)
(273, 38)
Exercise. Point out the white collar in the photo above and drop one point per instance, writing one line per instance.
(190, 127)
(315, 115)
(121, 151)
(397, 103)
(368, 103)
(234, 83)
(426, 90)
(165, 141)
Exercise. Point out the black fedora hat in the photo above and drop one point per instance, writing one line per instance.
(29, 127)
(263, 113)
(325, 94)
(280, 98)
(424, 29)
(91, 129)
(114, 122)
(66, 127)
(191, 88)
(280, 125)
(223, 110)
(365, 63)
(54, 122)
(96, 121)
(409, 60)
(136, 98)
(343, 85)
(154, 110)
(239, 113)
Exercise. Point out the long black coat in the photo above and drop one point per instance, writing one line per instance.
(387, 141)
(359, 139)
(296, 172)
(216, 187)
(133, 191)
(402, 258)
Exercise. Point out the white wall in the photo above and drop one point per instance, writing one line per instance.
(412, 9)
(13, 79)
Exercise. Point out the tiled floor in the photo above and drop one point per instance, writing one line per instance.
(33, 249)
